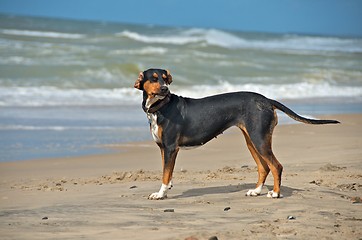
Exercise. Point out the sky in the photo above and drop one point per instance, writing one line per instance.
(318, 17)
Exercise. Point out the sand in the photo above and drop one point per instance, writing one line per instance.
(105, 196)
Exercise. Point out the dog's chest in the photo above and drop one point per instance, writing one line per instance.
(152, 118)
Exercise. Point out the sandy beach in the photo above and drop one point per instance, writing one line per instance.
(105, 196)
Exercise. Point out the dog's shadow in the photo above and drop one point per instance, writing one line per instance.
(196, 192)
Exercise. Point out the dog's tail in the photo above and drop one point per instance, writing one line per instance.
(296, 117)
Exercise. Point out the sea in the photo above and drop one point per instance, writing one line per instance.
(66, 86)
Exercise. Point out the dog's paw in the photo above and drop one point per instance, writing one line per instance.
(162, 194)
(254, 192)
(272, 194)
(157, 196)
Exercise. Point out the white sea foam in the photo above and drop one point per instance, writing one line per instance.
(293, 42)
(141, 51)
(30, 33)
(165, 39)
(54, 128)
(51, 96)
(230, 40)
(16, 60)
(301, 90)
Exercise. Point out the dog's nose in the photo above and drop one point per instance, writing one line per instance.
(164, 89)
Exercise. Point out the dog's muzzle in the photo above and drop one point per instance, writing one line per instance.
(164, 91)
(159, 100)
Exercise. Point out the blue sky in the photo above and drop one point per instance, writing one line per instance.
(325, 17)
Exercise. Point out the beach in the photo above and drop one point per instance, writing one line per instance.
(105, 196)
(76, 156)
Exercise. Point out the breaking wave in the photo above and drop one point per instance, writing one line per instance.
(44, 34)
(51, 96)
(230, 40)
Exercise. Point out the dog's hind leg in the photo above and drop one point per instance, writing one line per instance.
(263, 168)
(258, 133)
(263, 145)
(276, 169)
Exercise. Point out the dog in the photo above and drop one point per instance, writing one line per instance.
(179, 122)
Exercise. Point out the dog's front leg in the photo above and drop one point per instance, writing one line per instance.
(168, 160)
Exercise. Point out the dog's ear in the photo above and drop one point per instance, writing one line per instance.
(169, 77)
(137, 84)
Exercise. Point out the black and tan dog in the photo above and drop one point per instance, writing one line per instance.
(178, 122)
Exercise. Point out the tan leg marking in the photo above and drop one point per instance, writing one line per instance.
(167, 176)
(263, 169)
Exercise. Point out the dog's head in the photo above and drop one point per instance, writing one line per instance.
(154, 83)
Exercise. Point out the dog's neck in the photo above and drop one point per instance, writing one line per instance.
(156, 105)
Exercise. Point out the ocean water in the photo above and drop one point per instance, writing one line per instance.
(66, 87)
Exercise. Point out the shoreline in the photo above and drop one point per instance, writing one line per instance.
(110, 151)
(118, 148)
(105, 196)
(79, 136)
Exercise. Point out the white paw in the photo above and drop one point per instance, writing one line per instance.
(157, 196)
(254, 192)
(272, 194)
(162, 194)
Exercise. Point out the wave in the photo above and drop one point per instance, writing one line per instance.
(308, 43)
(213, 37)
(51, 96)
(301, 90)
(56, 128)
(16, 60)
(163, 38)
(141, 51)
(30, 33)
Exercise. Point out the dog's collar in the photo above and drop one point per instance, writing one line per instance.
(159, 104)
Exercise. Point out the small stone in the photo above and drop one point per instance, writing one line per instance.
(291, 217)
(227, 209)
(213, 238)
(132, 187)
(169, 210)
(45, 218)
(356, 200)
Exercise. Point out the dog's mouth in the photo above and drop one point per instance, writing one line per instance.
(159, 96)
(164, 91)
(155, 102)
(156, 98)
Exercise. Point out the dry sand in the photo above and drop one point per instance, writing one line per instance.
(105, 196)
